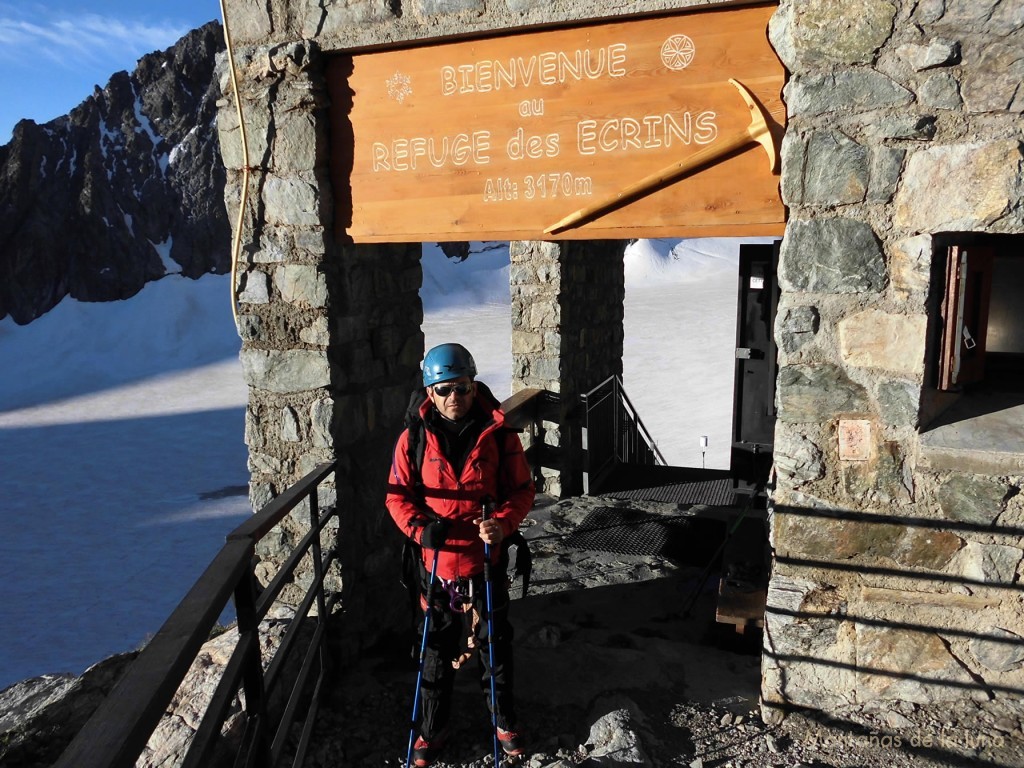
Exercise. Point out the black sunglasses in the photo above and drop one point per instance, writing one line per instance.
(443, 390)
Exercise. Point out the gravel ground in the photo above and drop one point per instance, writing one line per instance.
(611, 672)
(367, 725)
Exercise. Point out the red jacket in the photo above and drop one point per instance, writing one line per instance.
(458, 499)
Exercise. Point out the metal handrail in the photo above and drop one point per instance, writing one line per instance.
(615, 433)
(635, 416)
(118, 731)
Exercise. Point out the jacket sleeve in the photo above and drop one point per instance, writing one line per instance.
(515, 484)
(401, 499)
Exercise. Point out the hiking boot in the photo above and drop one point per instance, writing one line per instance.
(511, 742)
(425, 752)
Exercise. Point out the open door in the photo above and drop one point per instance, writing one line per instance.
(965, 308)
(743, 584)
(753, 426)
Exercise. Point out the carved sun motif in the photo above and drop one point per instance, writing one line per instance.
(399, 86)
(677, 52)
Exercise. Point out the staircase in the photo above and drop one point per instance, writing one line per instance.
(615, 435)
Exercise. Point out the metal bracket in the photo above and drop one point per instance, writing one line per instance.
(746, 353)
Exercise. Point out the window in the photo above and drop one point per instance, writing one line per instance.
(973, 403)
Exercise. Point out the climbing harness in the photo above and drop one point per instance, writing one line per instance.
(460, 593)
(471, 624)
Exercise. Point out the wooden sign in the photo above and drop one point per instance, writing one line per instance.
(503, 138)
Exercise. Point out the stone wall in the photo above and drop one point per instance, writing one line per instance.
(567, 311)
(894, 579)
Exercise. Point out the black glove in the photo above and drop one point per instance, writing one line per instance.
(435, 533)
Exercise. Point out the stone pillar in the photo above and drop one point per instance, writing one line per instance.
(283, 294)
(877, 592)
(567, 310)
(331, 338)
(376, 348)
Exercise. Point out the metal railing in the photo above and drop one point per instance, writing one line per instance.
(119, 729)
(614, 432)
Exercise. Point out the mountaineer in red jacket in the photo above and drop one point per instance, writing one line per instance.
(438, 505)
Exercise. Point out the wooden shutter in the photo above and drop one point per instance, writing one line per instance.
(965, 315)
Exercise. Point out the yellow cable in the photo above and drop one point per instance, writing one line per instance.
(236, 245)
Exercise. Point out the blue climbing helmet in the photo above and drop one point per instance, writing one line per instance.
(446, 362)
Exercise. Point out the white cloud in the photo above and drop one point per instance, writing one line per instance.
(76, 39)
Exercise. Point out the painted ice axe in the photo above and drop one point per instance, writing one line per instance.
(759, 131)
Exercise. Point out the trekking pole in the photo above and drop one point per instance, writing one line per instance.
(422, 661)
(487, 505)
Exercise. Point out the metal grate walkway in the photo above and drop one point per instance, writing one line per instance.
(627, 532)
(672, 485)
(718, 492)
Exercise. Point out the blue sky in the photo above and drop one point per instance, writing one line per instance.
(52, 53)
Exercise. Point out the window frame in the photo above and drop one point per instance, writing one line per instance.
(966, 300)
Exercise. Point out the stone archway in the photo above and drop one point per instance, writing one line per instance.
(903, 134)
(331, 336)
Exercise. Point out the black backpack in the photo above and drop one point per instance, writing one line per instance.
(414, 575)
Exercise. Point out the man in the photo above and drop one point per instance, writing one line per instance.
(467, 458)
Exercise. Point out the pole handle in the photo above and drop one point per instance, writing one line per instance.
(486, 510)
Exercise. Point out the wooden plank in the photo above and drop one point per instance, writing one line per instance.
(952, 314)
(742, 601)
(501, 137)
(521, 408)
(744, 608)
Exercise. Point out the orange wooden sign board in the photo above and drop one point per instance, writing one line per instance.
(501, 138)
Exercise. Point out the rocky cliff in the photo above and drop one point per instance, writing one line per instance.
(125, 189)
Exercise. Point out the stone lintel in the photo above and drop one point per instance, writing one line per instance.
(356, 24)
(913, 598)
(941, 459)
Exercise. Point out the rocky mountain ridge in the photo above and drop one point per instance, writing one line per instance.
(126, 188)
